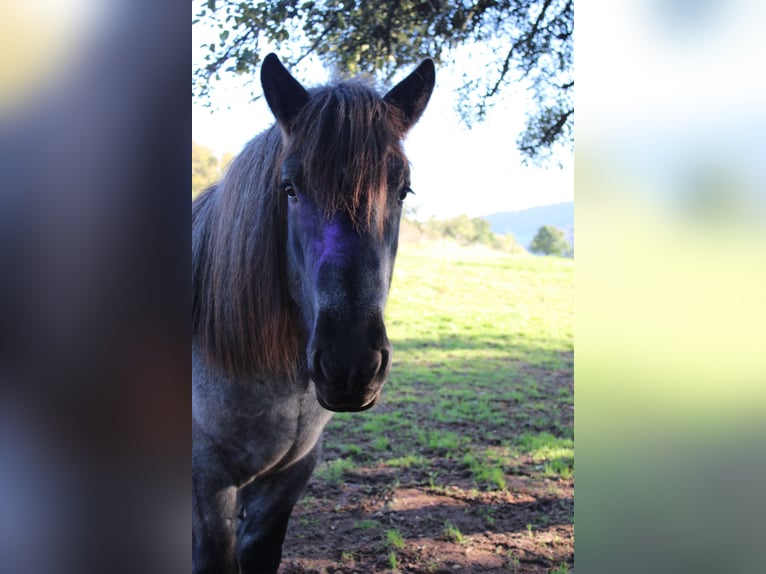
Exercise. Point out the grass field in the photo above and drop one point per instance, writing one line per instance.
(467, 462)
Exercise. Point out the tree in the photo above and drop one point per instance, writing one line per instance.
(507, 242)
(206, 167)
(550, 241)
(466, 230)
(530, 41)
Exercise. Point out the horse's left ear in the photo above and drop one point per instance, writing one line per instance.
(284, 94)
(411, 95)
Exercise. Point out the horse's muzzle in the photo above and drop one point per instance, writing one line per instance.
(349, 363)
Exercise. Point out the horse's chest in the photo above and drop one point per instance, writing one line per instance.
(298, 428)
(275, 431)
(256, 426)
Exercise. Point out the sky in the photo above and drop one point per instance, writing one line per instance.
(455, 170)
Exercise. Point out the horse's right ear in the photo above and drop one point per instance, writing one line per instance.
(284, 94)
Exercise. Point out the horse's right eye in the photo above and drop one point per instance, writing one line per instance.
(289, 189)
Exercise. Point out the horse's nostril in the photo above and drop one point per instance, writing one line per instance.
(357, 372)
(385, 361)
(325, 366)
(373, 367)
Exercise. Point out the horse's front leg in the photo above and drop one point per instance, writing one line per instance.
(265, 508)
(213, 508)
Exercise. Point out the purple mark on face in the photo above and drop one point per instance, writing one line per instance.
(333, 273)
(330, 242)
(337, 240)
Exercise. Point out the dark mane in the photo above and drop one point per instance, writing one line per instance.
(242, 314)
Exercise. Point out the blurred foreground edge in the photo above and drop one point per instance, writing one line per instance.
(94, 331)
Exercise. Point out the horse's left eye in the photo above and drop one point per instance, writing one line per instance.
(404, 193)
(288, 188)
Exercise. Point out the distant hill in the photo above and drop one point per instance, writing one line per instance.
(525, 223)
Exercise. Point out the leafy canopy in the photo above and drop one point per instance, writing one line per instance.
(530, 40)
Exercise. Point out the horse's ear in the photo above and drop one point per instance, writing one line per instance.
(284, 94)
(411, 95)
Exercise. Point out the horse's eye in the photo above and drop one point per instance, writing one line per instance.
(404, 193)
(288, 188)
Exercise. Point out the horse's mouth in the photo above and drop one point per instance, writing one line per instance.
(346, 406)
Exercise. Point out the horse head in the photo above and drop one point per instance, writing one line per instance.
(343, 176)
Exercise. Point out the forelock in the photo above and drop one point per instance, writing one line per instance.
(347, 139)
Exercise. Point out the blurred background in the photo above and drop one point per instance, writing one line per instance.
(94, 296)
(670, 207)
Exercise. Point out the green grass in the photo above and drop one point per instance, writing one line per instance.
(393, 561)
(332, 471)
(473, 324)
(452, 533)
(485, 470)
(394, 539)
(381, 443)
(557, 453)
(407, 461)
(446, 441)
(352, 450)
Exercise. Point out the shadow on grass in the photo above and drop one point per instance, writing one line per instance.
(483, 353)
(477, 381)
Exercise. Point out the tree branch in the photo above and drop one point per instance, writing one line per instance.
(215, 66)
(525, 39)
(549, 134)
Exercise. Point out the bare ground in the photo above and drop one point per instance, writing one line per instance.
(447, 524)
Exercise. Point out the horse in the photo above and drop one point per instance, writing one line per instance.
(292, 258)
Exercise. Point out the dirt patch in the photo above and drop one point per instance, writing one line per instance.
(345, 528)
(416, 503)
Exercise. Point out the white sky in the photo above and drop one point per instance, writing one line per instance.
(455, 170)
